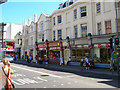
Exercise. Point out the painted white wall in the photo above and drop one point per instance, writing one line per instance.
(11, 30)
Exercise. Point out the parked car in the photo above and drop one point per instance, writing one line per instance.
(8, 56)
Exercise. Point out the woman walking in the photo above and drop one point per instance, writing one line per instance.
(7, 72)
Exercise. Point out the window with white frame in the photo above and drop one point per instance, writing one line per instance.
(118, 25)
(75, 14)
(26, 42)
(99, 28)
(118, 4)
(59, 34)
(53, 35)
(31, 28)
(76, 31)
(41, 26)
(83, 11)
(42, 37)
(59, 19)
(54, 21)
(31, 40)
(98, 7)
(27, 32)
(108, 27)
(84, 30)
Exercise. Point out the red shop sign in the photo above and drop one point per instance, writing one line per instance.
(39, 46)
(82, 46)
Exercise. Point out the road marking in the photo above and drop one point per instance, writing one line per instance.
(17, 75)
(36, 71)
(24, 81)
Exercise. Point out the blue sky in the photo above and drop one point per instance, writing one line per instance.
(16, 12)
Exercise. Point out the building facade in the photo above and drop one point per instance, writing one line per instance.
(18, 44)
(77, 19)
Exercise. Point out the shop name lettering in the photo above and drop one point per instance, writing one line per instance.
(24, 81)
(54, 48)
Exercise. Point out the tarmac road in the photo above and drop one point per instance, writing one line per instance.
(33, 77)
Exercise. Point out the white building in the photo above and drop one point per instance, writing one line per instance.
(11, 30)
(76, 21)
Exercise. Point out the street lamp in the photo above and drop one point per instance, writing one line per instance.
(91, 49)
(68, 41)
(46, 47)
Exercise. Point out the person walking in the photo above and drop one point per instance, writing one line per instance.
(61, 61)
(69, 60)
(36, 59)
(81, 63)
(87, 63)
(7, 72)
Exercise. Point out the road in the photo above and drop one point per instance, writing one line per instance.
(32, 77)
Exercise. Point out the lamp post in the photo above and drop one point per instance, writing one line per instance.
(69, 46)
(90, 43)
(47, 47)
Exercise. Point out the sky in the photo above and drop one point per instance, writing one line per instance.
(15, 11)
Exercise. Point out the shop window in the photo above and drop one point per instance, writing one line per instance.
(99, 28)
(76, 31)
(59, 19)
(54, 21)
(75, 14)
(59, 34)
(54, 55)
(84, 30)
(98, 7)
(108, 27)
(83, 11)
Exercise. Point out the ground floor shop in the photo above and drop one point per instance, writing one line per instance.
(52, 50)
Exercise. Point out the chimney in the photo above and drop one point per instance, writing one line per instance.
(29, 21)
(35, 18)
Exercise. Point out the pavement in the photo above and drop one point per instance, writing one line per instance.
(71, 69)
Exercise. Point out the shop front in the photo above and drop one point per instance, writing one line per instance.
(42, 50)
(55, 51)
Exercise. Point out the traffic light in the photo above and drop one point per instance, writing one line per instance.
(111, 43)
(116, 41)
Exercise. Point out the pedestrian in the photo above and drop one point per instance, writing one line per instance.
(6, 75)
(61, 61)
(22, 57)
(69, 60)
(87, 63)
(30, 59)
(27, 58)
(76, 59)
(39, 60)
(36, 59)
(112, 64)
(46, 60)
(81, 63)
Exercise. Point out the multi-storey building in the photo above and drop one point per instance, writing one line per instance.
(76, 21)
(18, 44)
(29, 38)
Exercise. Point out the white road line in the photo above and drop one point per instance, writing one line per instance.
(36, 71)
